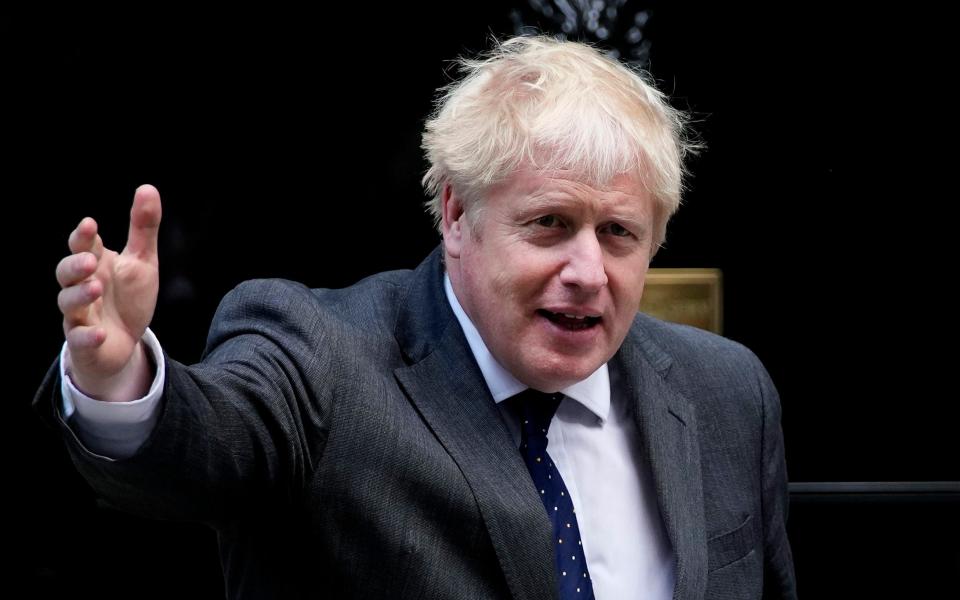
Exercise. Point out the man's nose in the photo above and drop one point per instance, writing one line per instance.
(584, 266)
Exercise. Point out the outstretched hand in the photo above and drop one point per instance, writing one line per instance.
(108, 299)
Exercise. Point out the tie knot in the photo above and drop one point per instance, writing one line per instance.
(537, 409)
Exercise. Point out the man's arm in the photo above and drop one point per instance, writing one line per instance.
(228, 433)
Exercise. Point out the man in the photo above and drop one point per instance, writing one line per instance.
(498, 423)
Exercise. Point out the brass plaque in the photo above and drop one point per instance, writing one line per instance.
(689, 296)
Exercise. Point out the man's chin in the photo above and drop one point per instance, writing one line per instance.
(560, 374)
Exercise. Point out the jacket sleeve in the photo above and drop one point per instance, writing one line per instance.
(778, 576)
(236, 431)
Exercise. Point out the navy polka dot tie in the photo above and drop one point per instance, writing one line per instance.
(536, 411)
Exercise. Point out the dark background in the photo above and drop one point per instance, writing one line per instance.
(287, 144)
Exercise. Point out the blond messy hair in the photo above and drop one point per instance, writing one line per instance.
(549, 104)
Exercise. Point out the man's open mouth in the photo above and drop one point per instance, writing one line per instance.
(570, 322)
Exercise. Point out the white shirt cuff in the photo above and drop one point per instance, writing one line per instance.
(113, 429)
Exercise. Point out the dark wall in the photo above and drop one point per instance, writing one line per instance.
(288, 145)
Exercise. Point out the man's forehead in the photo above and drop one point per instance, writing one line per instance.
(568, 186)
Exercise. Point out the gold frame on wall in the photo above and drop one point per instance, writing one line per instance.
(689, 296)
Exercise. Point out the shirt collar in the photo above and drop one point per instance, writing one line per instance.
(592, 392)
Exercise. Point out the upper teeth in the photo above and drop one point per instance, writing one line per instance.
(574, 316)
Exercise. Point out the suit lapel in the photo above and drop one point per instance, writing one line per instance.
(447, 388)
(667, 424)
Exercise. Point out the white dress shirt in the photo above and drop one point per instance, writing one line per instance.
(594, 443)
(592, 439)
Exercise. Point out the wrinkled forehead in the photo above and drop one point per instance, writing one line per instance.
(563, 189)
(534, 182)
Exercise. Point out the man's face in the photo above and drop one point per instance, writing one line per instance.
(551, 270)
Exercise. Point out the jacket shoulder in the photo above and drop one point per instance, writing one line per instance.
(369, 299)
(305, 319)
(694, 348)
(716, 373)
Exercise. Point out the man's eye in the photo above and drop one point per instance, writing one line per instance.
(618, 230)
(548, 221)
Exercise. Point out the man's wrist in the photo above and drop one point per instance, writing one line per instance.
(131, 383)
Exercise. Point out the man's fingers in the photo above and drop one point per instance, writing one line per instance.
(75, 268)
(144, 223)
(85, 238)
(97, 247)
(74, 301)
(85, 337)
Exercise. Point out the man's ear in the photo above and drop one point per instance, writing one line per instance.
(454, 222)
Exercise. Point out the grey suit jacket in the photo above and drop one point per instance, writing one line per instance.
(343, 444)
